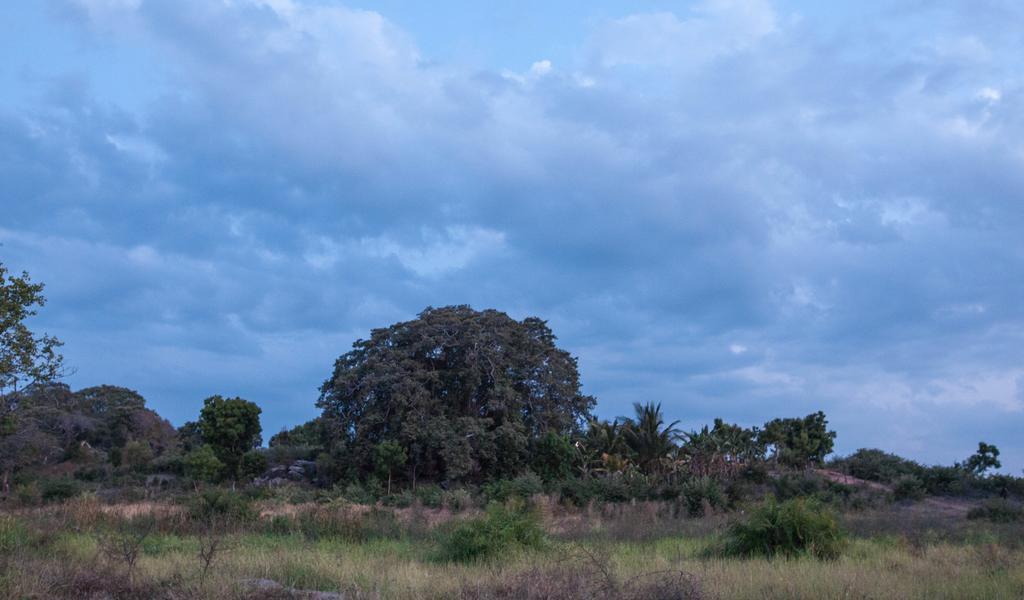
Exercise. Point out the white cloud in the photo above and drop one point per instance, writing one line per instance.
(716, 28)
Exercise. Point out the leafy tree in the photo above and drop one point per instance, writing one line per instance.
(389, 456)
(231, 427)
(799, 442)
(24, 357)
(987, 457)
(464, 392)
(202, 464)
(649, 439)
(552, 457)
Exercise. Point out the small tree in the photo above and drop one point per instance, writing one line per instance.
(136, 455)
(799, 442)
(231, 427)
(987, 457)
(202, 464)
(389, 456)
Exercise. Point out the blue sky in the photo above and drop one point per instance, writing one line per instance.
(738, 208)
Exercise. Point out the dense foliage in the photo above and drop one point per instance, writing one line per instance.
(466, 393)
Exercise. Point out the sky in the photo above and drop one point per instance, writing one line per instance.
(737, 208)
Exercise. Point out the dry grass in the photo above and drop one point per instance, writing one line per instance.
(625, 552)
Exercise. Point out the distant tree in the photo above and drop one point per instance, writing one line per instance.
(649, 439)
(720, 450)
(389, 456)
(799, 442)
(231, 427)
(24, 357)
(202, 464)
(464, 392)
(311, 434)
(987, 457)
(190, 436)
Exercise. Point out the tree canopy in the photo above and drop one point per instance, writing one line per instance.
(466, 393)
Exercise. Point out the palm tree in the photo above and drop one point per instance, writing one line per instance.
(647, 436)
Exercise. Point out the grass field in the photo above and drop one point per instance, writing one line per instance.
(82, 550)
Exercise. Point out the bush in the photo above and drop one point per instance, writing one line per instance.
(997, 511)
(58, 490)
(946, 481)
(524, 486)
(797, 485)
(457, 500)
(701, 496)
(501, 530)
(908, 487)
(217, 504)
(253, 464)
(202, 464)
(430, 495)
(28, 493)
(789, 528)
(876, 465)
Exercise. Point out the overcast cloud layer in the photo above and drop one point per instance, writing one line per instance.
(738, 208)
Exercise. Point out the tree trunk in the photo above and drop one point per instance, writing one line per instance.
(389, 482)
(7, 483)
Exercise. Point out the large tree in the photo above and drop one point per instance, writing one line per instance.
(25, 358)
(466, 393)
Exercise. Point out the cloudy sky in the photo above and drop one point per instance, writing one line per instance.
(738, 208)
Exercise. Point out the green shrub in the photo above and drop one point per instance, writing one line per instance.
(908, 487)
(946, 481)
(997, 511)
(797, 485)
(430, 495)
(701, 495)
(872, 464)
(58, 490)
(524, 486)
(202, 464)
(357, 493)
(253, 464)
(501, 530)
(28, 493)
(790, 528)
(458, 499)
(218, 504)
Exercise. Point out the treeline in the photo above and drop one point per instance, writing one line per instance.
(456, 398)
